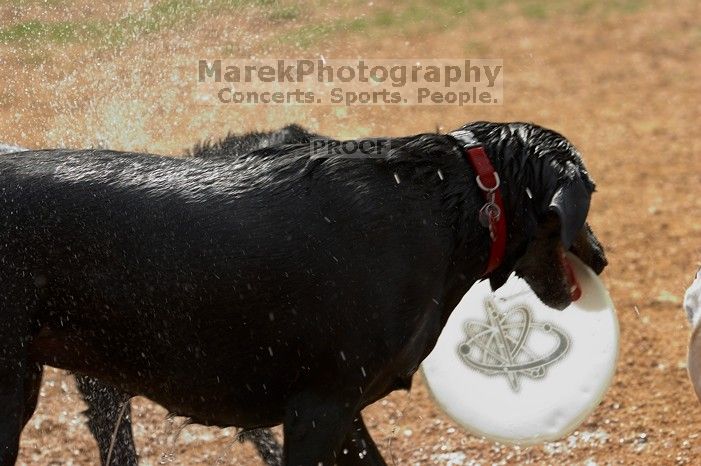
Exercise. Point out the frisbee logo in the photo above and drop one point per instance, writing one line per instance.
(512, 345)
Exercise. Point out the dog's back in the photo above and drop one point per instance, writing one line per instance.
(236, 145)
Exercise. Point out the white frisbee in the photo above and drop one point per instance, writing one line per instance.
(509, 368)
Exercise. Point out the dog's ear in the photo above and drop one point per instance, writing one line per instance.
(571, 204)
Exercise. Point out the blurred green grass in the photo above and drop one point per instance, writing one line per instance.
(162, 15)
(401, 18)
(425, 16)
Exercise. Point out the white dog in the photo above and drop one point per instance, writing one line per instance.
(692, 305)
(692, 301)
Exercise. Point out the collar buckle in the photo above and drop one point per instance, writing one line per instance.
(497, 183)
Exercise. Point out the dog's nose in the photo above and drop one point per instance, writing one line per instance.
(599, 263)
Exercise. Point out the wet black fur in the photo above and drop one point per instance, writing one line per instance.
(104, 402)
(277, 288)
(234, 145)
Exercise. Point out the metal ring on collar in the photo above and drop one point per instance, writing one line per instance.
(486, 189)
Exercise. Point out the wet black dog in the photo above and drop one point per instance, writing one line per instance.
(108, 409)
(106, 404)
(282, 288)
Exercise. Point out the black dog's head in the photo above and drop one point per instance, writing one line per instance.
(547, 192)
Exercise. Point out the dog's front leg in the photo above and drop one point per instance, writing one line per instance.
(359, 448)
(314, 428)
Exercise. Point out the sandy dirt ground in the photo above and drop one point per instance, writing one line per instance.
(619, 79)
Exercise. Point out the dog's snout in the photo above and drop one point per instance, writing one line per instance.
(599, 263)
(589, 249)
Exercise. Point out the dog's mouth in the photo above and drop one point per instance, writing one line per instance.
(549, 272)
(589, 250)
(570, 277)
(551, 277)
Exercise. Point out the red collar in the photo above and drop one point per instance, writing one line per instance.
(492, 214)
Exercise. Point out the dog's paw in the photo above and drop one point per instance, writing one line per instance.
(692, 301)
